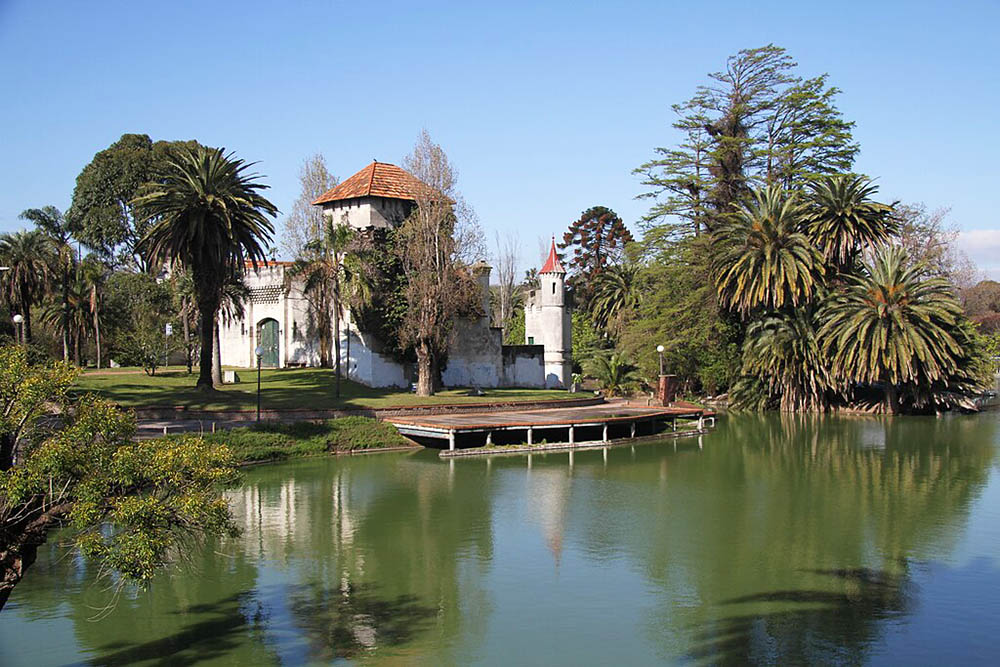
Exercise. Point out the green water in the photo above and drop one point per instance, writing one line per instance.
(779, 539)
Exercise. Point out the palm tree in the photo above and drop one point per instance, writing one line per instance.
(893, 325)
(616, 293)
(357, 290)
(93, 273)
(763, 259)
(52, 222)
(613, 372)
(783, 354)
(205, 211)
(30, 256)
(323, 270)
(842, 218)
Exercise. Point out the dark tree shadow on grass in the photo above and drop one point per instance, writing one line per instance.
(834, 626)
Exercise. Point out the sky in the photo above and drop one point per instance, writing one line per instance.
(544, 108)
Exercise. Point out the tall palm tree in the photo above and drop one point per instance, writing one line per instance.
(616, 293)
(842, 219)
(205, 211)
(357, 290)
(323, 270)
(763, 259)
(30, 256)
(893, 325)
(93, 273)
(53, 223)
(784, 353)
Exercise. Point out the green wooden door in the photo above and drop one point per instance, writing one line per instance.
(268, 337)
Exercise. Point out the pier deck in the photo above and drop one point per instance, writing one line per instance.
(595, 423)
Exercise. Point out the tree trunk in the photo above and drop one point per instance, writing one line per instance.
(336, 337)
(20, 547)
(65, 316)
(892, 399)
(347, 325)
(186, 323)
(425, 370)
(217, 357)
(207, 310)
(7, 442)
(97, 333)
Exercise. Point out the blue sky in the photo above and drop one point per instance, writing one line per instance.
(545, 108)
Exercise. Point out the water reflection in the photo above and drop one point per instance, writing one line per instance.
(799, 539)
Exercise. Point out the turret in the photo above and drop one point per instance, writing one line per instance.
(547, 321)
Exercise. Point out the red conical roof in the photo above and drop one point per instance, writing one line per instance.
(552, 264)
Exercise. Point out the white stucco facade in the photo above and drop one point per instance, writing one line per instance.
(278, 318)
(548, 322)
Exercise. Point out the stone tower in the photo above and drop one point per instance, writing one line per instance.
(547, 321)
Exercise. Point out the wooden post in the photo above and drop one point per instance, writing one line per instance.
(571, 434)
(604, 434)
(489, 438)
(633, 429)
(451, 440)
(529, 435)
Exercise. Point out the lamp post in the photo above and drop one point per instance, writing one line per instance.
(659, 350)
(19, 327)
(260, 353)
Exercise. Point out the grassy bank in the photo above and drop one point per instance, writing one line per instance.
(284, 389)
(277, 441)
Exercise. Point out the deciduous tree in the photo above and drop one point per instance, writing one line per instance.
(437, 243)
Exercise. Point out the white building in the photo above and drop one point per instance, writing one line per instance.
(279, 320)
(548, 322)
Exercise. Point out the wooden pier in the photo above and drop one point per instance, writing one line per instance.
(568, 426)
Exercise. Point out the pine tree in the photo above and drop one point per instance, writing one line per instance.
(597, 240)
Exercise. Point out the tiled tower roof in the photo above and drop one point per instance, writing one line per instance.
(552, 264)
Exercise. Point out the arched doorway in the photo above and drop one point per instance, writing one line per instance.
(267, 339)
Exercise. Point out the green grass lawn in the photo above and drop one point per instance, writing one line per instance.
(296, 388)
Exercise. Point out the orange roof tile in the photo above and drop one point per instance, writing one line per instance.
(552, 264)
(379, 179)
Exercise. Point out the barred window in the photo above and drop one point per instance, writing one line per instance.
(268, 294)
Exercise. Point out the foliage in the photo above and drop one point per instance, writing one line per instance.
(679, 310)
(587, 341)
(930, 240)
(784, 355)
(50, 221)
(754, 124)
(597, 240)
(384, 314)
(515, 334)
(616, 296)
(130, 504)
(435, 244)
(305, 222)
(31, 257)
(762, 258)
(843, 220)
(281, 440)
(894, 326)
(137, 307)
(613, 372)
(206, 212)
(102, 214)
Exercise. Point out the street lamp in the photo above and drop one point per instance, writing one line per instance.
(260, 353)
(659, 349)
(19, 327)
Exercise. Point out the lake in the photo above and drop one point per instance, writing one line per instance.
(791, 538)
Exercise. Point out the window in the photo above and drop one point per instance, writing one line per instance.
(531, 340)
(553, 288)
